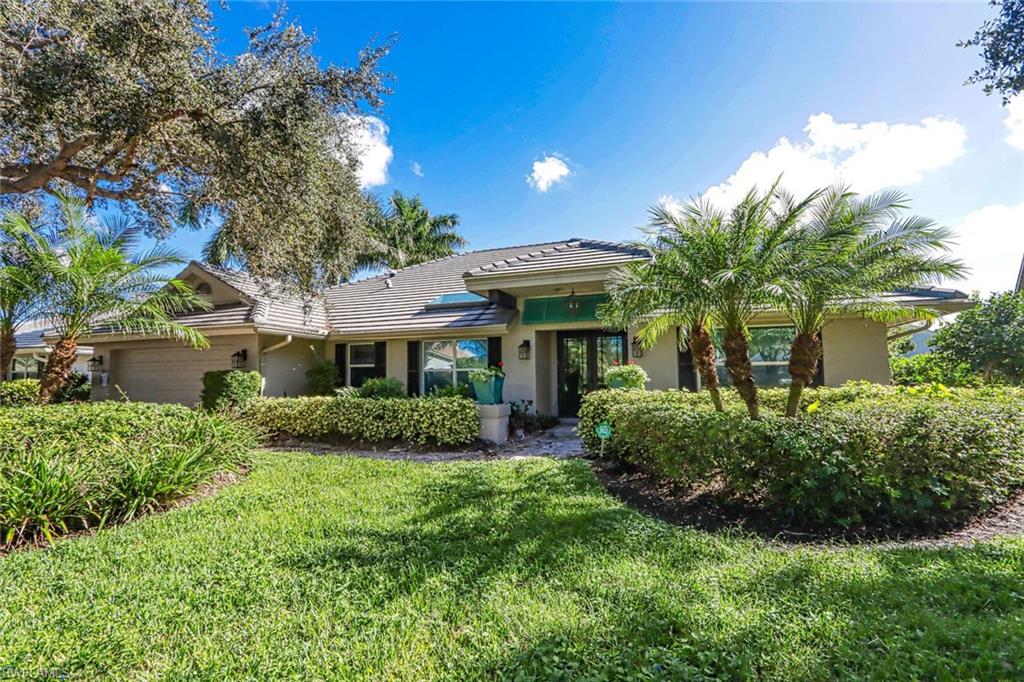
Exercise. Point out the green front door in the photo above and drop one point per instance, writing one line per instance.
(583, 358)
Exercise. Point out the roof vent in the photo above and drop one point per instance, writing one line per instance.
(388, 283)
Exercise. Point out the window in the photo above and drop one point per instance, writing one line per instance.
(362, 363)
(769, 355)
(446, 363)
(25, 368)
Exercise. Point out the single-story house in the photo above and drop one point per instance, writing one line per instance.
(532, 307)
(32, 352)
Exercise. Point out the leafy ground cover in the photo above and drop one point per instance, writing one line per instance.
(342, 568)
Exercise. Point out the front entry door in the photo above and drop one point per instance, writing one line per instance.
(583, 357)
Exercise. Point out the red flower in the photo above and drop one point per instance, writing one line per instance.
(615, 363)
(500, 363)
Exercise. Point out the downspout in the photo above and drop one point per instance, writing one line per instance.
(270, 349)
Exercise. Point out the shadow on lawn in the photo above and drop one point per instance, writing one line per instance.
(716, 606)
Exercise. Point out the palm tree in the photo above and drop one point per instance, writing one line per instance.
(848, 254)
(92, 278)
(19, 287)
(664, 293)
(407, 234)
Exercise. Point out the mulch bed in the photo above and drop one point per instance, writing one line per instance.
(707, 509)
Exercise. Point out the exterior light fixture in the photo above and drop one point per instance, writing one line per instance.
(95, 363)
(636, 349)
(524, 350)
(572, 303)
(238, 359)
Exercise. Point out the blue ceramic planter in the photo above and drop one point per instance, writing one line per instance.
(489, 392)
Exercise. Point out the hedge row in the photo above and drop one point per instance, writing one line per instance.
(863, 456)
(72, 466)
(229, 388)
(19, 392)
(441, 421)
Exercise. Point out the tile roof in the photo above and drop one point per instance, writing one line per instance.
(269, 310)
(572, 254)
(32, 339)
(370, 305)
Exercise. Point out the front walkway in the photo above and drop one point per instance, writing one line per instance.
(558, 442)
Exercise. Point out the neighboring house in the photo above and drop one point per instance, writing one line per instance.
(1020, 277)
(532, 307)
(32, 352)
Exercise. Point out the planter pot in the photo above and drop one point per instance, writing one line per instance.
(489, 392)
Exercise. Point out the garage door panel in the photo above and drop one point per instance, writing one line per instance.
(167, 375)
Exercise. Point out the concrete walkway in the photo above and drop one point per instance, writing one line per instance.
(558, 442)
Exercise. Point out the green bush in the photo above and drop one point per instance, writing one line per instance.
(858, 455)
(72, 466)
(382, 387)
(450, 391)
(75, 390)
(442, 421)
(630, 375)
(322, 377)
(19, 392)
(229, 388)
(929, 368)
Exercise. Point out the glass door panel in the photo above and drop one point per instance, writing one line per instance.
(573, 373)
(610, 351)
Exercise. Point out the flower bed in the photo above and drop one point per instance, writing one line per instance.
(439, 421)
(860, 455)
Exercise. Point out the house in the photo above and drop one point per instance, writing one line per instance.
(532, 307)
(33, 350)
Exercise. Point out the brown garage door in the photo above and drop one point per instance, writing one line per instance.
(167, 375)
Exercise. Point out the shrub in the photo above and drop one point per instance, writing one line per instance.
(322, 377)
(229, 388)
(864, 455)
(932, 368)
(442, 421)
(630, 375)
(382, 387)
(73, 466)
(523, 416)
(19, 392)
(75, 390)
(450, 391)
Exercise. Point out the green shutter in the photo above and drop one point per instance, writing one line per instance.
(556, 309)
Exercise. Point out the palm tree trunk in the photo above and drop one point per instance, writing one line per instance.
(703, 351)
(58, 368)
(803, 365)
(7, 348)
(737, 362)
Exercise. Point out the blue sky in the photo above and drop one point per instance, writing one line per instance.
(648, 102)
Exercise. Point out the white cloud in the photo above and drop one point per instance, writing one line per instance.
(1014, 122)
(548, 172)
(369, 135)
(416, 169)
(866, 156)
(991, 242)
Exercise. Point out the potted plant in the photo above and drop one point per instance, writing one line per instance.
(488, 382)
(630, 375)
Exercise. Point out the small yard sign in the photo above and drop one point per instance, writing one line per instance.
(603, 430)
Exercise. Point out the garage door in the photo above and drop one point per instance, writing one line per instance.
(166, 375)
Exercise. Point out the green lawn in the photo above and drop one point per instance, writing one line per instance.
(334, 567)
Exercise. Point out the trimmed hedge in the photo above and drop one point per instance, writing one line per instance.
(442, 421)
(19, 392)
(864, 455)
(229, 388)
(73, 466)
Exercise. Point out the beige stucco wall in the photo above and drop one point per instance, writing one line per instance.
(284, 369)
(855, 349)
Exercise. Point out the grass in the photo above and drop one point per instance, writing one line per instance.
(345, 568)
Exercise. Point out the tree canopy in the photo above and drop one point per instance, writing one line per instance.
(988, 337)
(406, 233)
(1001, 40)
(133, 103)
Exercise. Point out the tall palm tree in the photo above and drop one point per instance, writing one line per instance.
(406, 233)
(20, 284)
(848, 254)
(92, 277)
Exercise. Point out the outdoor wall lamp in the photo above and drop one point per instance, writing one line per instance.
(524, 350)
(238, 359)
(95, 363)
(636, 349)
